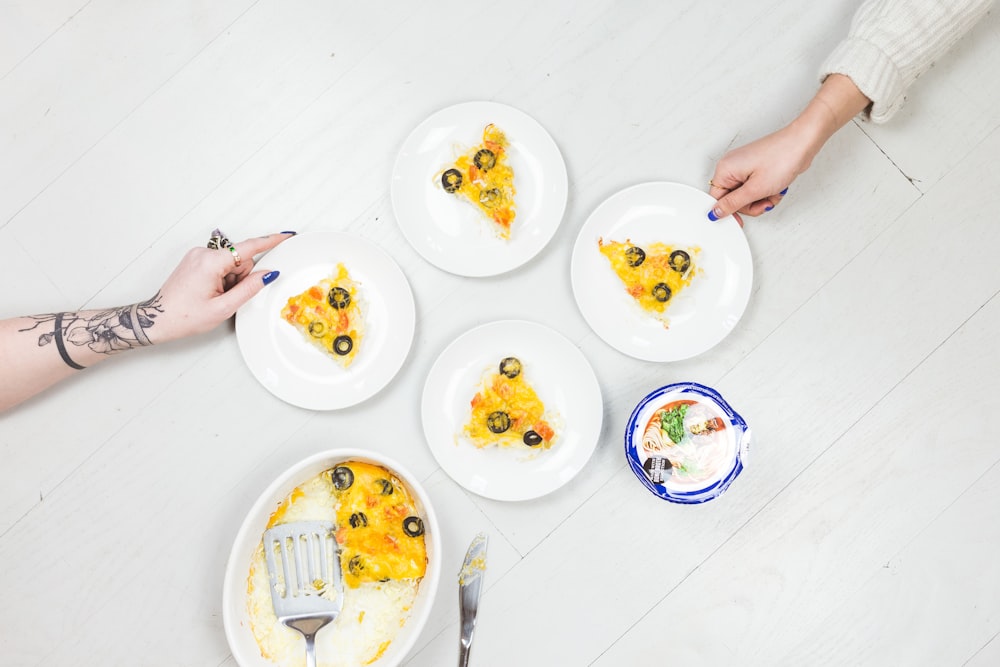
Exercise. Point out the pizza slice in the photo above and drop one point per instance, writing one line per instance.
(483, 177)
(330, 316)
(379, 529)
(654, 274)
(507, 412)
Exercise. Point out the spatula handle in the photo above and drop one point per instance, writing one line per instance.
(310, 650)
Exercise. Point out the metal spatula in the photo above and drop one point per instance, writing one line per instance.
(307, 588)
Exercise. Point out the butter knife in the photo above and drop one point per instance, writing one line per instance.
(470, 586)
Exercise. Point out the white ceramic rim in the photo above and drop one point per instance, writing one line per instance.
(296, 372)
(704, 314)
(451, 234)
(565, 381)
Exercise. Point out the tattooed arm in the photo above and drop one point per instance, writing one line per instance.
(40, 350)
(204, 290)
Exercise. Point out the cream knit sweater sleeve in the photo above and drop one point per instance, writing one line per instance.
(892, 42)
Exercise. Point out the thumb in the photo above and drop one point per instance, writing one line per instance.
(733, 202)
(245, 290)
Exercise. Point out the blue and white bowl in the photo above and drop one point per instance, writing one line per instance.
(685, 443)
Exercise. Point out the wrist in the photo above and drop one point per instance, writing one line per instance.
(834, 105)
(804, 138)
(145, 323)
(836, 102)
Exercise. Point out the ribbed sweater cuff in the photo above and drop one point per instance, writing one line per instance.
(873, 72)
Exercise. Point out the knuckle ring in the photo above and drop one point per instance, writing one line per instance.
(218, 241)
(236, 255)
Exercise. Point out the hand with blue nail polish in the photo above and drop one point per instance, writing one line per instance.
(206, 289)
(209, 286)
(753, 179)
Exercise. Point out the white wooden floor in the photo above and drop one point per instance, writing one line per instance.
(866, 528)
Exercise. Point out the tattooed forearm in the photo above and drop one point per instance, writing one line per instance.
(103, 331)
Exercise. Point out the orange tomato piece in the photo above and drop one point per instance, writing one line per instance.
(503, 216)
(502, 387)
(544, 430)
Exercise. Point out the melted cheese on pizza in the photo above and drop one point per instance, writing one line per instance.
(329, 315)
(507, 412)
(483, 177)
(379, 530)
(654, 274)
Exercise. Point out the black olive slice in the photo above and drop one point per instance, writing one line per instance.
(532, 439)
(339, 297)
(342, 477)
(356, 565)
(635, 256)
(511, 367)
(489, 198)
(680, 261)
(413, 526)
(385, 487)
(451, 180)
(343, 345)
(661, 292)
(498, 421)
(485, 159)
(317, 329)
(359, 520)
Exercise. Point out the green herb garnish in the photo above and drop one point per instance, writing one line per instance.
(672, 422)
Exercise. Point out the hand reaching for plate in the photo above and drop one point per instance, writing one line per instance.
(206, 288)
(753, 179)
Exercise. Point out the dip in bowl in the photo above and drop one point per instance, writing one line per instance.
(685, 443)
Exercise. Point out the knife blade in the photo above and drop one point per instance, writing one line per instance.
(470, 586)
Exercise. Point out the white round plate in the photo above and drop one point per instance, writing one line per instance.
(565, 383)
(450, 233)
(704, 313)
(236, 618)
(297, 372)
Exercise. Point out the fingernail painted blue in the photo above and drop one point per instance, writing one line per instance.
(783, 192)
(270, 276)
(292, 233)
(768, 208)
(712, 216)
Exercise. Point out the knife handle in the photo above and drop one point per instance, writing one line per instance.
(465, 640)
(467, 609)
